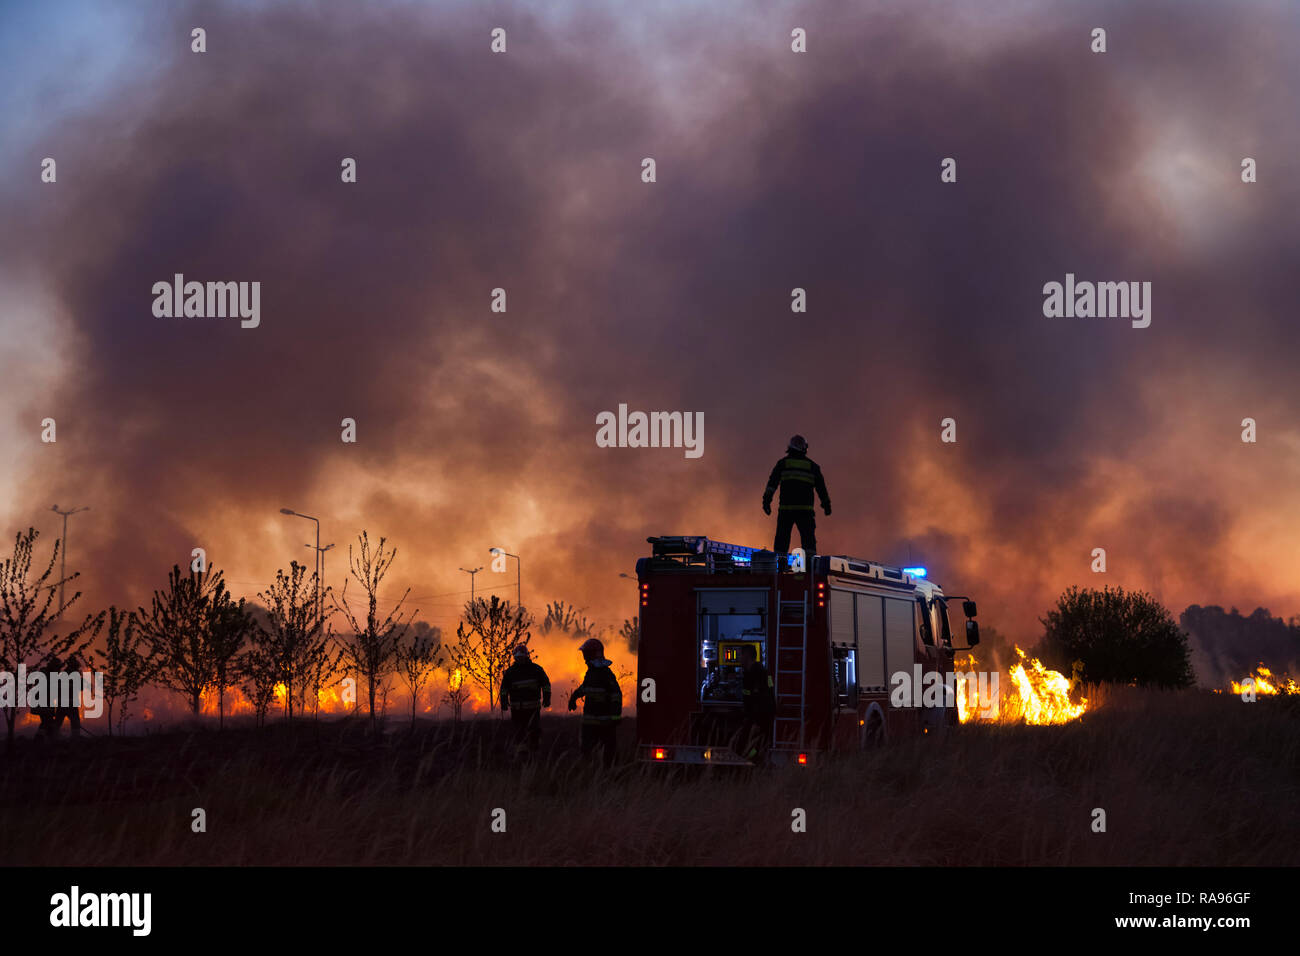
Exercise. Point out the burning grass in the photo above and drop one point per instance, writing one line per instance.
(1185, 778)
(1264, 682)
(1028, 693)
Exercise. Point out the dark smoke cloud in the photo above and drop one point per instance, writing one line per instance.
(522, 171)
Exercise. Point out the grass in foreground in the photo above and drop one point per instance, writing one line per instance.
(1185, 778)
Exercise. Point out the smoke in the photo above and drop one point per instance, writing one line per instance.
(1227, 645)
(521, 171)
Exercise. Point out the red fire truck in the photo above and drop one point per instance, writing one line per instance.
(836, 637)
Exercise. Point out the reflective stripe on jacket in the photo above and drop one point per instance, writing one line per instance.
(524, 685)
(602, 698)
(798, 477)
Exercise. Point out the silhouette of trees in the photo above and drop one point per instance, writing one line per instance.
(294, 640)
(457, 691)
(126, 662)
(1232, 643)
(322, 665)
(370, 648)
(418, 659)
(630, 632)
(230, 625)
(258, 674)
(177, 631)
(567, 619)
(28, 607)
(1121, 637)
(485, 640)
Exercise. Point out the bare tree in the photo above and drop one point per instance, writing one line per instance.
(630, 632)
(230, 625)
(457, 691)
(567, 619)
(176, 631)
(483, 649)
(323, 664)
(294, 636)
(259, 674)
(126, 662)
(370, 646)
(26, 613)
(417, 659)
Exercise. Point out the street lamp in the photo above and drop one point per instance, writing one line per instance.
(320, 553)
(290, 511)
(63, 566)
(471, 580)
(519, 597)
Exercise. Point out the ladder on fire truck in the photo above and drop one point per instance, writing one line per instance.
(791, 656)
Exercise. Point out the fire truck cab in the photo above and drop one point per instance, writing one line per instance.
(836, 638)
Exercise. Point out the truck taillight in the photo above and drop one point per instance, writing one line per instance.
(821, 593)
(645, 595)
(803, 760)
(661, 754)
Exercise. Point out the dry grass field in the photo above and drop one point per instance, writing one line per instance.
(1185, 778)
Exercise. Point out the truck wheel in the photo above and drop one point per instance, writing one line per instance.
(934, 721)
(873, 733)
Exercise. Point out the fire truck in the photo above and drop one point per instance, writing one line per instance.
(836, 637)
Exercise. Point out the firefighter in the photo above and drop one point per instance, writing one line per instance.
(798, 476)
(525, 690)
(759, 705)
(68, 708)
(602, 706)
(46, 713)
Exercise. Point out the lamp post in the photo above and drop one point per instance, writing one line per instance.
(290, 511)
(471, 580)
(320, 555)
(63, 560)
(519, 597)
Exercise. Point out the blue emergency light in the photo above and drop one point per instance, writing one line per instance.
(915, 572)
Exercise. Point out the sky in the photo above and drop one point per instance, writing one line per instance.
(775, 170)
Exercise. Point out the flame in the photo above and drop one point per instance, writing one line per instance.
(1036, 696)
(559, 656)
(1266, 683)
(329, 698)
(1044, 695)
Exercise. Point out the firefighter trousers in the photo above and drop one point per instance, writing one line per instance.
(803, 520)
(603, 734)
(755, 736)
(528, 726)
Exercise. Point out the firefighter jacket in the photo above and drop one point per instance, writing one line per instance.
(798, 476)
(602, 698)
(525, 686)
(758, 697)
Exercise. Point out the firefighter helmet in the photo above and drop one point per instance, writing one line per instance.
(798, 443)
(592, 648)
(520, 652)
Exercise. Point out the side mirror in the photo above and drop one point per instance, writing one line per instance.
(968, 608)
(972, 633)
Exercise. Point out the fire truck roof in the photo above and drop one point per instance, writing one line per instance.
(698, 552)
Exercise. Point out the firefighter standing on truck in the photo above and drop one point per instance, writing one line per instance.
(525, 690)
(798, 476)
(759, 705)
(602, 702)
